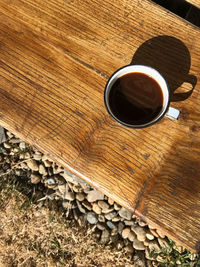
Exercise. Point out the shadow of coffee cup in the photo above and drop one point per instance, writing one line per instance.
(171, 58)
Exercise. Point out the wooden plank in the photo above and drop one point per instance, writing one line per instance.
(182, 8)
(194, 2)
(55, 59)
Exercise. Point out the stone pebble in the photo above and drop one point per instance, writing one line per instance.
(124, 213)
(116, 219)
(94, 195)
(92, 218)
(33, 165)
(80, 196)
(70, 177)
(15, 140)
(110, 201)
(140, 232)
(50, 182)
(138, 245)
(142, 223)
(57, 169)
(146, 242)
(111, 225)
(101, 218)
(9, 134)
(154, 246)
(87, 204)
(116, 206)
(6, 145)
(42, 169)
(35, 178)
(125, 232)
(110, 215)
(86, 187)
(37, 156)
(109, 210)
(132, 236)
(101, 226)
(69, 196)
(47, 163)
(27, 155)
(96, 208)
(149, 235)
(151, 227)
(160, 233)
(103, 205)
(77, 188)
(129, 223)
(153, 232)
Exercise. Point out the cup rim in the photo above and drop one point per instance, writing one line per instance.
(134, 126)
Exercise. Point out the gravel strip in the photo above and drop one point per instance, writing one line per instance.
(82, 202)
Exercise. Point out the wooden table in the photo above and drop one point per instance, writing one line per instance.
(56, 57)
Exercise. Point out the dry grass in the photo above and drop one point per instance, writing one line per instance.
(32, 236)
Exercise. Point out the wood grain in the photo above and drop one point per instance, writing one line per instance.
(55, 59)
(194, 2)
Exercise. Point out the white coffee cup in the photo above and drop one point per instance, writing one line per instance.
(154, 74)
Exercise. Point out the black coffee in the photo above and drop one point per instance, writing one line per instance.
(136, 98)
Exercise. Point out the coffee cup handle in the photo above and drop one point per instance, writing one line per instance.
(173, 113)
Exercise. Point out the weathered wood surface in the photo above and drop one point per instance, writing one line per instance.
(55, 59)
(194, 2)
